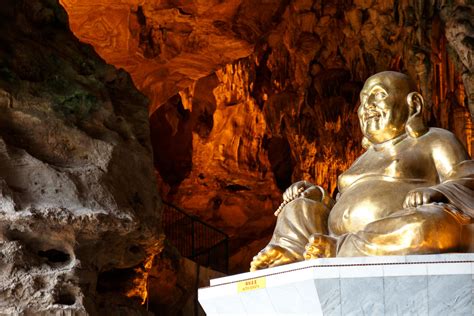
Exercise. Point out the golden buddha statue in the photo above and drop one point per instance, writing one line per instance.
(411, 192)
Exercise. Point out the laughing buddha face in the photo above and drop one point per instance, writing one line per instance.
(383, 110)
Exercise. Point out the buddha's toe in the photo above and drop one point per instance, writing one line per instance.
(271, 256)
(320, 246)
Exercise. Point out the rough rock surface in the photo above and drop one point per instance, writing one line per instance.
(228, 138)
(78, 193)
(167, 45)
(460, 34)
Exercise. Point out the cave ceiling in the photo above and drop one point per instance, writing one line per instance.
(248, 96)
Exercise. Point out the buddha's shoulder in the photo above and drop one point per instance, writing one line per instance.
(435, 133)
(439, 137)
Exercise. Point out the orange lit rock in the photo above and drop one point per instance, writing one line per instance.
(230, 176)
(167, 45)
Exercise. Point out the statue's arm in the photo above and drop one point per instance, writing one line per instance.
(456, 176)
(446, 152)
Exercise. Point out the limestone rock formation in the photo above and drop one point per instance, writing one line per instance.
(167, 45)
(248, 96)
(78, 194)
(460, 34)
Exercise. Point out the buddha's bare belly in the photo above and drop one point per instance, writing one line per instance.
(367, 201)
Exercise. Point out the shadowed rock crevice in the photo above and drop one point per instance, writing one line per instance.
(54, 256)
(279, 155)
(173, 147)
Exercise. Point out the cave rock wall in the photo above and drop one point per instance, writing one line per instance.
(77, 188)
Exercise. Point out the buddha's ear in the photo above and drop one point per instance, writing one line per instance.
(366, 143)
(415, 125)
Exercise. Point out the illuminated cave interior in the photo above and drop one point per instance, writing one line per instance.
(247, 97)
(243, 103)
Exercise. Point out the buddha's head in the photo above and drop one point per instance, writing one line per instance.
(389, 107)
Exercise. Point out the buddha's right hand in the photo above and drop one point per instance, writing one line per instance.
(271, 256)
(301, 188)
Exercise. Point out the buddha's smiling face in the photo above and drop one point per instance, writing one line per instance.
(383, 109)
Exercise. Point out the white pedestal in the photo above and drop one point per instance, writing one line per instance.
(396, 285)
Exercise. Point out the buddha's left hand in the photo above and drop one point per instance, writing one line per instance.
(422, 196)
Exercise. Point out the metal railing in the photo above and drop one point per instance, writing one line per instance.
(196, 240)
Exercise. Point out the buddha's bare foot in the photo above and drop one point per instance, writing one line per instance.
(271, 256)
(320, 246)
